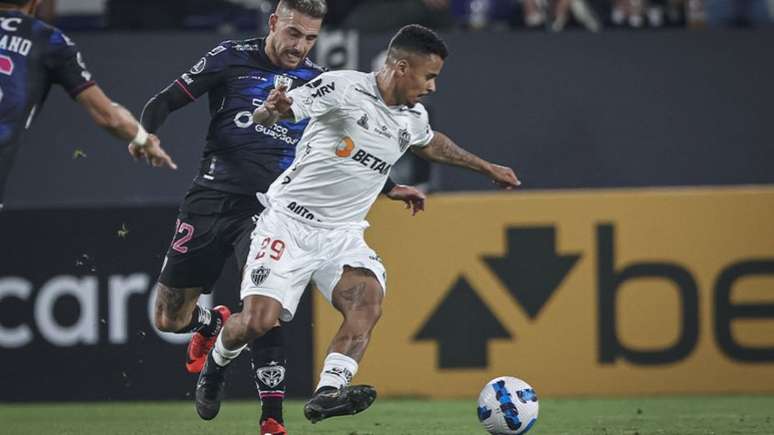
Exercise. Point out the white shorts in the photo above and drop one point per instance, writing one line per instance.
(286, 254)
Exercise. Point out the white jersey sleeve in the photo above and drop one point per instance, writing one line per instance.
(319, 97)
(424, 134)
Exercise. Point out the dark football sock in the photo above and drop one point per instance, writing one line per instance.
(205, 321)
(268, 359)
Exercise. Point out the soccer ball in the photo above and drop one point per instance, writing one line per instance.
(507, 406)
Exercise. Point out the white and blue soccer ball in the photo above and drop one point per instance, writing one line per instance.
(507, 406)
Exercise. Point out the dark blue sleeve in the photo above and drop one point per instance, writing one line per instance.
(207, 73)
(65, 64)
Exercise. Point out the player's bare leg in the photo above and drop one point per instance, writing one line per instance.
(259, 315)
(358, 296)
(176, 310)
(174, 307)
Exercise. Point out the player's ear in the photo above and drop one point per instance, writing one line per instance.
(273, 18)
(402, 67)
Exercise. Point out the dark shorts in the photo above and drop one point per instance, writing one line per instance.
(211, 225)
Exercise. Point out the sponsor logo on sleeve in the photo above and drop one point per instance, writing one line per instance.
(85, 73)
(217, 50)
(199, 67)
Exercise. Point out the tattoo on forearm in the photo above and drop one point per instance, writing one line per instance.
(441, 148)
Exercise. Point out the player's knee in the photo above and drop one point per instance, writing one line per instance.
(373, 312)
(164, 320)
(359, 294)
(166, 323)
(365, 316)
(370, 305)
(174, 307)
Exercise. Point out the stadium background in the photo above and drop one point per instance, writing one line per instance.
(640, 250)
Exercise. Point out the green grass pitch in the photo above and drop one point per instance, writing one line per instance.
(748, 415)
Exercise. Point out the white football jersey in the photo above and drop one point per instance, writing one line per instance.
(346, 153)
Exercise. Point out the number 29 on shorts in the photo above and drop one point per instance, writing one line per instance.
(276, 248)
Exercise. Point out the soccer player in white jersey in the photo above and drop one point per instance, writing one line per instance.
(312, 228)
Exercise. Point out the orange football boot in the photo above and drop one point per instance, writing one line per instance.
(200, 345)
(270, 426)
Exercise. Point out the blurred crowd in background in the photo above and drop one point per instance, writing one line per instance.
(387, 15)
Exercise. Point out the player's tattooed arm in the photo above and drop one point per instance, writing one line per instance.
(442, 149)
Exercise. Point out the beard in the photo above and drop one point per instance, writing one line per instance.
(293, 57)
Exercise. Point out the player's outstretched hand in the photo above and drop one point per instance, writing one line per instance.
(153, 153)
(503, 176)
(413, 197)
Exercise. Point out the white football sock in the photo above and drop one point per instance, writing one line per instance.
(223, 356)
(337, 371)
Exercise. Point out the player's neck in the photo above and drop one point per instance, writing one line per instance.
(385, 82)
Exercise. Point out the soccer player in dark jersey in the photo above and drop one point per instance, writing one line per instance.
(240, 159)
(33, 56)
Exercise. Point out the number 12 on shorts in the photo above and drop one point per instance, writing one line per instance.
(277, 248)
(187, 230)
